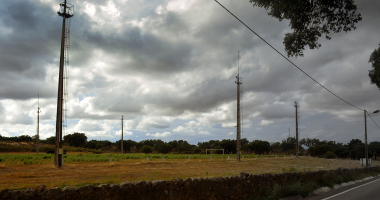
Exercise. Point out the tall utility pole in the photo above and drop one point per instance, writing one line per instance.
(122, 150)
(365, 140)
(38, 126)
(296, 106)
(65, 12)
(238, 144)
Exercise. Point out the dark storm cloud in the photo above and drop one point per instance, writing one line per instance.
(27, 49)
(155, 67)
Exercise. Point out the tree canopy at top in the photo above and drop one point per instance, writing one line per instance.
(310, 19)
(374, 73)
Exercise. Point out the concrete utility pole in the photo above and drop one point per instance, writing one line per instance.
(122, 150)
(65, 14)
(38, 126)
(238, 144)
(296, 106)
(365, 140)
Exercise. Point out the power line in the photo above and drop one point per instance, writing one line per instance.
(373, 120)
(288, 59)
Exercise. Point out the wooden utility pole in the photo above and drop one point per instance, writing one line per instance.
(38, 126)
(122, 150)
(365, 140)
(296, 106)
(238, 129)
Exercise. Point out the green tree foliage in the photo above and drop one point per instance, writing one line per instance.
(309, 142)
(153, 143)
(374, 73)
(243, 141)
(310, 19)
(181, 148)
(288, 144)
(275, 147)
(354, 149)
(75, 140)
(127, 144)
(50, 140)
(374, 148)
(204, 145)
(97, 144)
(229, 146)
(197, 150)
(21, 138)
(165, 148)
(146, 149)
(259, 147)
(174, 144)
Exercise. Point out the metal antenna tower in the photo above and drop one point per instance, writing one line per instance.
(122, 140)
(66, 11)
(238, 128)
(297, 147)
(38, 126)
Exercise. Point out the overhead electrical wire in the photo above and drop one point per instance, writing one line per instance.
(373, 120)
(288, 59)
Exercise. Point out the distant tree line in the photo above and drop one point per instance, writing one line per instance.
(355, 149)
(21, 138)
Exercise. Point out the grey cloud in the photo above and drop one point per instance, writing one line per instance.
(2, 109)
(160, 126)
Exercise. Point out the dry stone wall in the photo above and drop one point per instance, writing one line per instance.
(245, 186)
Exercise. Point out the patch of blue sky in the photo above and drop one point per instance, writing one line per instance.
(82, 96)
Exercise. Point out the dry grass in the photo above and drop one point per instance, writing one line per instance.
(72, 174)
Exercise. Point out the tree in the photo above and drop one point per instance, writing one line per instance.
(50, 140)
(374, 73)
(127, 144)
(76, 139)
(24, 138)
(174, 144)
(275, 147)
(165, 148)
(374, 148)
(146, 149)
(229, 146)
(310, 19)
(181, 148)
(197, 150)
(259, 146)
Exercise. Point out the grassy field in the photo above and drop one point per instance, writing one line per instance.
(20, 171)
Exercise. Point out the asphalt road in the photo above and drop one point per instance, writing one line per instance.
(367, 190)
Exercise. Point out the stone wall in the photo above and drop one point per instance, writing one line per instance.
(245, 186)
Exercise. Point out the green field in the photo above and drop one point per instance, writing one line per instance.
(68, 158)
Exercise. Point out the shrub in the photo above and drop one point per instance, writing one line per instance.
(329, 155)
(146, 149)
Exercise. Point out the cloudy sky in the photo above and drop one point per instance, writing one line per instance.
(169, 67)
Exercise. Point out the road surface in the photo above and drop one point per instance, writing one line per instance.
(367, 190)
